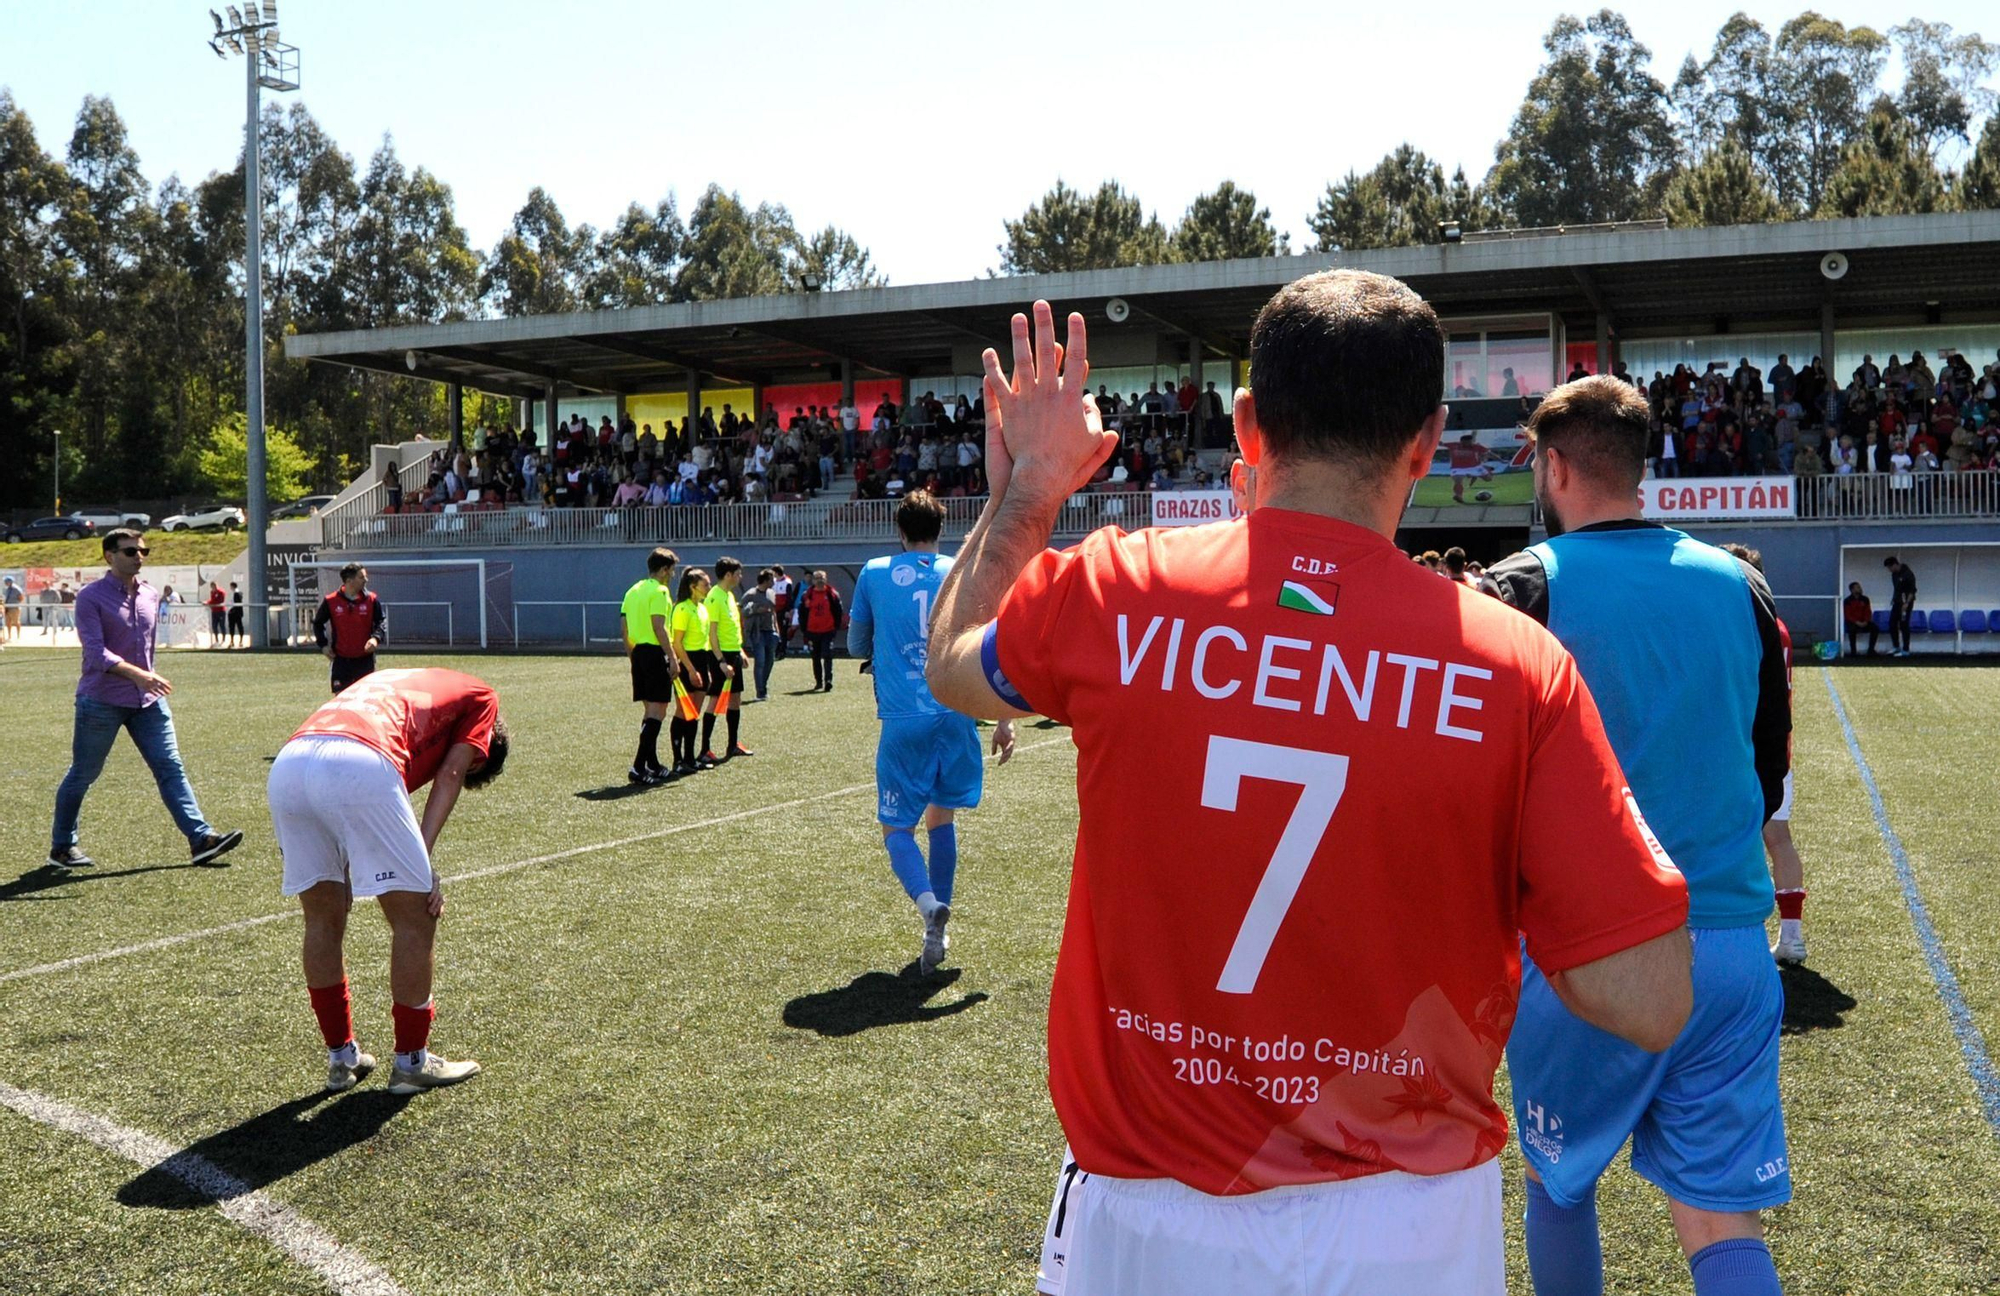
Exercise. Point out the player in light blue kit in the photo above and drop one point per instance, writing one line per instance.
(1680, 646)
(927, 765)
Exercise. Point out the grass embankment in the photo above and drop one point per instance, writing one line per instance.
(181, 549)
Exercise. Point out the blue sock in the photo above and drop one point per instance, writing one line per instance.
(944, 860)
(1565, 1255)
(908, 861)
(1735, 1267)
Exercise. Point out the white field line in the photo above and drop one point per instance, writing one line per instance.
(168, 942)
(346, 1272)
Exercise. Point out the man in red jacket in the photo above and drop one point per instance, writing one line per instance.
(349, 625)
(821, 617)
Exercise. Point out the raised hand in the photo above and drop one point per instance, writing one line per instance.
(1049, 432)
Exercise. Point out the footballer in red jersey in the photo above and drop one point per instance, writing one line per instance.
(339, 793)
(1288, 972)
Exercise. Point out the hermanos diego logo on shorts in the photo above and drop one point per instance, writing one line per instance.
(1317, 597)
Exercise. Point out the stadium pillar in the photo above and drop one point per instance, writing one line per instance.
(1826, 341)
(694, 408)
(620, 420)
(1604, 348)
(549, 418)
(846, 381)
(1197, 434)
(454, 400)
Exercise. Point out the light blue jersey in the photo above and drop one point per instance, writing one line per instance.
(891, 622)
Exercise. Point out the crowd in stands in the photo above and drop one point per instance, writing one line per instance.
(1905, 417)
(817, 450)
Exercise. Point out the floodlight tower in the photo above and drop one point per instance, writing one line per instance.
(268, 63)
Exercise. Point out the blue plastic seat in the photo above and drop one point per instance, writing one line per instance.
(1972, 621)
(1993, 621)
(1882, 619)
(1943, 623)
(1919, 622)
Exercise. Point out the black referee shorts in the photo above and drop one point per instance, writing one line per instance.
(651, 680)
(346, 670)
(707, 672)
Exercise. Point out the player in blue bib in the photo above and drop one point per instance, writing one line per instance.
(1678, 643)
(928, 763)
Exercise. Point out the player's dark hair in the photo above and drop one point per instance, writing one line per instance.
(1744, 553)
(1454, 561)
(1345, 365)
(1600, 426)
(920, 517)
(496, 756)
(724, 566)
(350, 571)
(661, 559)
(688, 578)
(765, 576)
(119, 535)
(778, 568)
(1891, 561)
(1431, 558)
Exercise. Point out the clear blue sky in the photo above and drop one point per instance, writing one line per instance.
(917, 127)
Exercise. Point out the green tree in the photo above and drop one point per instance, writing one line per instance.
(1068, 230)
(1978, 188)
(836, 260)
(637, 259)
(1827, 78)
(224, 463)
(1737, 96)
(1944, 76)
(1400, 202)
(1591, 141)
(35, 377)
(1887, 171)
(536, 267)
(734, 251)
(100, 230)
(1224, 224)
(1722, 189)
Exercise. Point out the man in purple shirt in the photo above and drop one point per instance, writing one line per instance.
(115, 619)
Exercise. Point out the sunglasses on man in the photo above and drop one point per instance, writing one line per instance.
(135, 552)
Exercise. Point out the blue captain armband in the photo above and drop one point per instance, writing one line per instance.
(996, 679)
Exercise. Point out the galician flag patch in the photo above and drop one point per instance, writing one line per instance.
(1316, 597)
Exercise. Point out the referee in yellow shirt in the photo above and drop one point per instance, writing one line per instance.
(725, 629)
(645, 613)
(688, 637)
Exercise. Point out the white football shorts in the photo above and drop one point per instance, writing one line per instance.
(1388, 1234)
(1784, 812)
(342, 815)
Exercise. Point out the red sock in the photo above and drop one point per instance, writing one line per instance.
(1792, 904)
(413, 1026)
(335, 1013)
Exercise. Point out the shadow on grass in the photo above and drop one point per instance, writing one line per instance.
(48, 877)
(878, 999)
(618, 791)
(1812, 1002)
(263, 1150)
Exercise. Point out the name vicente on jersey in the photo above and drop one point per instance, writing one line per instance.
(1282, 673)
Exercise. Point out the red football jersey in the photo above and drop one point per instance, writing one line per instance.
(413, 717)
(1323, 795)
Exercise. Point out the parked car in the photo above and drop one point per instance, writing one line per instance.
(299, 508)
(52, 528)
(226, 516)
(109, 518)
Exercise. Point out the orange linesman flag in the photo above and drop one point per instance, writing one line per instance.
(689, 711)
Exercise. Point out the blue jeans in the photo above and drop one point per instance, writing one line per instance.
(152, 730)
(763, 649)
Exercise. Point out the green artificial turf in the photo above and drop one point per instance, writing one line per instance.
(707, 1068)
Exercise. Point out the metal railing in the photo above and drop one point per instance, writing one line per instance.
(812, 521)
(1877, 496)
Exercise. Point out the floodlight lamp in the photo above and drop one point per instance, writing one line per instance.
(235, 45)
(235, 16)
(1451, 231)
(811, 281)
(410, 359)
(271, 36)
(218, 50)
(218, 21)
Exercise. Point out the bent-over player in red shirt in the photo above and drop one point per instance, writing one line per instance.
(339, 793)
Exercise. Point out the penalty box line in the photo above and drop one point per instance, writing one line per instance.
(244, 924)
(347, 1272)
(1978, 1061)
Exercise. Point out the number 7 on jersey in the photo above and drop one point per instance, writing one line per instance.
(1322, 778)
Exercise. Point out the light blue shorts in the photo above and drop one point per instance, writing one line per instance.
(1703, 1116)
(927, 761)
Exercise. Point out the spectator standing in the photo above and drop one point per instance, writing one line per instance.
(760, 631)
(218, 615)
(117, 617)
(784, 597)
(235, 614)
(1858, 614)
(1902, 598)
(349, 625)
(821, 617)
(11, 599)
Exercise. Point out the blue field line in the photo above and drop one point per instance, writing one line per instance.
(1985, 1079)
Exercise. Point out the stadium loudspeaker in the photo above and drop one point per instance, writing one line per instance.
(1833, 265)
(1117, 310)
